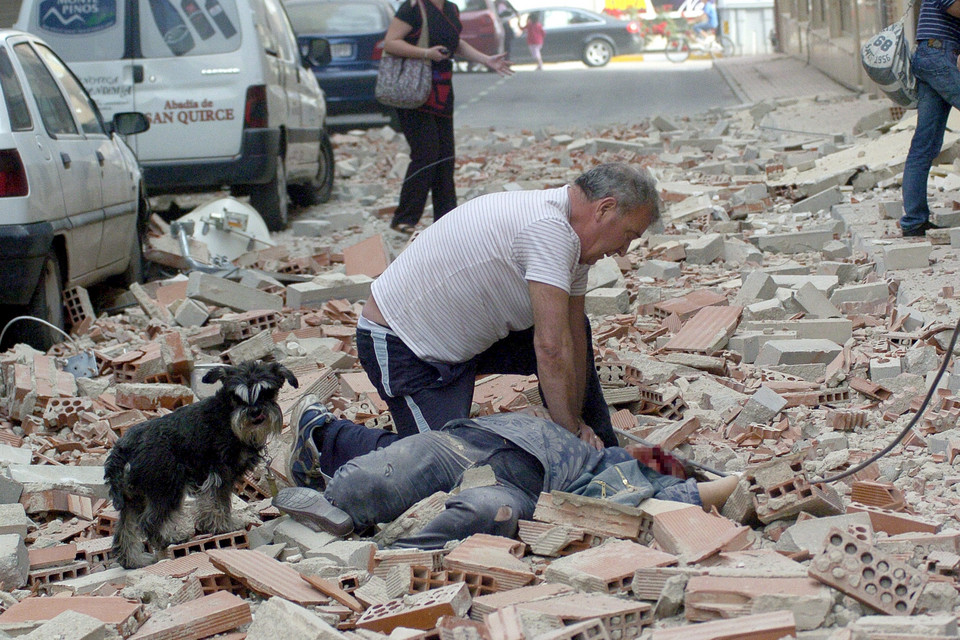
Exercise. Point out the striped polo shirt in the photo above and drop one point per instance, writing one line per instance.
(936, 23)
(463, 284)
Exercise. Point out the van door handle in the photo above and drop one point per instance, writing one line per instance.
(65, 159)
(137, 73)
(100, 158)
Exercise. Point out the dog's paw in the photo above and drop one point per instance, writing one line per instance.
(217, 525)
(136, 560)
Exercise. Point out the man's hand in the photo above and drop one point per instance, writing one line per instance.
(588, 436)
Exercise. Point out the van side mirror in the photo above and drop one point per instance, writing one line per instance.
(130, 122)
(316, 53)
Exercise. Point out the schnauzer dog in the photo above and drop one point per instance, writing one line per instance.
(201, 449)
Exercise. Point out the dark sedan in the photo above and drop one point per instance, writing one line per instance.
(355, 30)
(578, 34)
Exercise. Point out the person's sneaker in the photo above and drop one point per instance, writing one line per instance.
(310, 508)
(303, 464)
(918, 231)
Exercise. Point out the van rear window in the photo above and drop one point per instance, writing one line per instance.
(188, 27)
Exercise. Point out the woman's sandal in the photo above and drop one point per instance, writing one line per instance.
(406, 229)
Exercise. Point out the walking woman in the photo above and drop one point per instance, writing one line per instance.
(429, 128)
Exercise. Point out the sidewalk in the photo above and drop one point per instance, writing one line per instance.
(757, 78)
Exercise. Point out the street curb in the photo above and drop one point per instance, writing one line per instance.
(732, 83)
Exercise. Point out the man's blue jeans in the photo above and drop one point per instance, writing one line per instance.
(938, 88)
(427, 395)
(381, 485)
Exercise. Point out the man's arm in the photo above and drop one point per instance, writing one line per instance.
(557, 367)
(579, 336)
(954, 9)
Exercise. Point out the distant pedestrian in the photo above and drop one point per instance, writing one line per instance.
(507, 13)
(709, 22)
(429, 128)
(938, 89)
(535, 37)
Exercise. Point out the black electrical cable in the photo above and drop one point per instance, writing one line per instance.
(923, 407)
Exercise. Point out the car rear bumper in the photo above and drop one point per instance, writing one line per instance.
(351, 92)
(255, 164)
(22, 250)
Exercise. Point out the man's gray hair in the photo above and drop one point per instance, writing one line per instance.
(632, 187)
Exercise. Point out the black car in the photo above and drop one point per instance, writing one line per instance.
(578, 34)
(355, 30)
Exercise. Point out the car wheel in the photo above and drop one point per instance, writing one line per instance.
(136, 268)
(46, 304)
(271, 199)
(319, 189)
(597, 53)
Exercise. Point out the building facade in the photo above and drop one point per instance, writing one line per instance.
(828, 33)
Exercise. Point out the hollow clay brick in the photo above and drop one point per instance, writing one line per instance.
(866, 574)
(418, 611)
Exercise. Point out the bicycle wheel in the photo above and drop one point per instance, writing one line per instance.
(729, 46)
(678, 49)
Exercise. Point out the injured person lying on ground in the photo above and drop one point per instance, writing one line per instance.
(527, 455)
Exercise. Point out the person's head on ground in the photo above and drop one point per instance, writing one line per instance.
(612, 205)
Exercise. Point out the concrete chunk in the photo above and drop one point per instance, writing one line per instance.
(819, 201)
(871, 292)
(72, 625)
(607, 301)
(705, 249)
(225, 293)
(604, 273)
(659, 269)
(279, 618)
(14, 562)
(914, 255)
(757, 286)
(777, 352)
(14, 520)
(328, 287)
(814, 303)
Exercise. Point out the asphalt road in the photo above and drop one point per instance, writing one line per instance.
(570, 95)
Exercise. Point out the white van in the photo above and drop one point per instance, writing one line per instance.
(222, 82)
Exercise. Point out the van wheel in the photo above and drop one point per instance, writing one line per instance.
(271, 200)
(46, 304)
(318, 190)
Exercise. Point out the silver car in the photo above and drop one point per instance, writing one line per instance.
(72, 204)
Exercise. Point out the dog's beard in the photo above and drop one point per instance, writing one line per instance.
(256, 434)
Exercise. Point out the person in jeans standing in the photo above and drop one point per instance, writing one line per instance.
(429, 128)
(934, 64)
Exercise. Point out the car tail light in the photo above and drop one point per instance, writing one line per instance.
(633, 27)
(377, 51)
(13, 177)
(255, 109)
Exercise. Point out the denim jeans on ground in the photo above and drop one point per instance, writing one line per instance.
(380, 486)
(424, 395)
(938, 87)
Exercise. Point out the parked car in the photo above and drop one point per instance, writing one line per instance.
(482, 28)
(355, 30)
(72, 203)
(222, 82)
(578, 34)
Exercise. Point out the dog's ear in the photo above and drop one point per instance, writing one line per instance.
(286, 373)
(218, 373)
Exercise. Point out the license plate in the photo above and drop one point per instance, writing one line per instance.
(341, 50)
